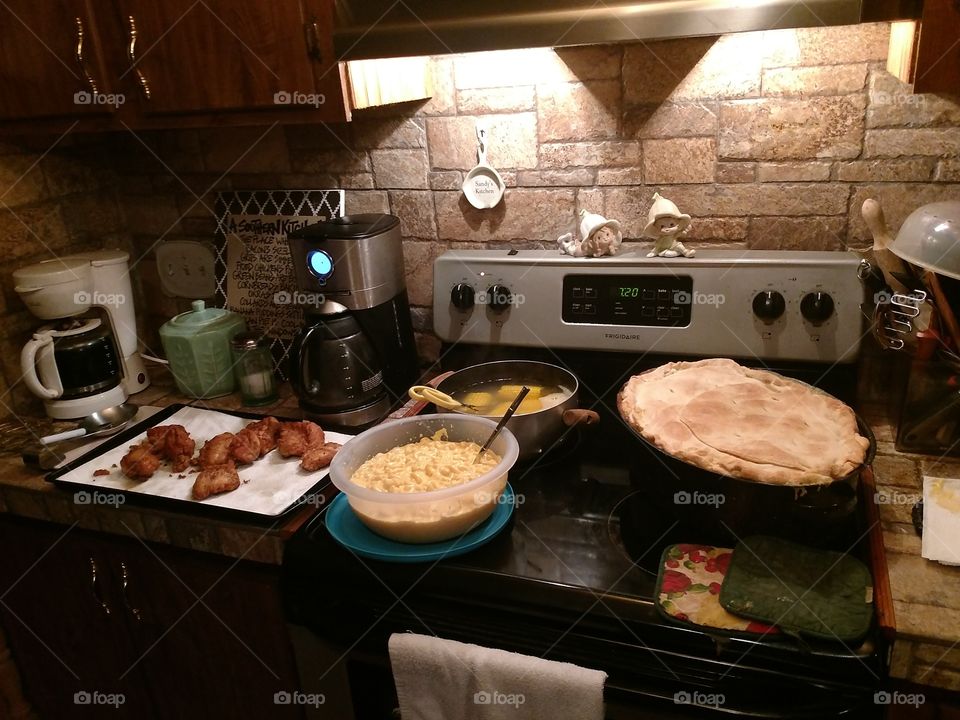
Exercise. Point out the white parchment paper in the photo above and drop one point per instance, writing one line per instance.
(268, 487)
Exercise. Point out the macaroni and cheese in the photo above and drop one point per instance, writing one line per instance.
(432, 463)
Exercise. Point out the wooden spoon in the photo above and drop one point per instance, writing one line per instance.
(888, 262)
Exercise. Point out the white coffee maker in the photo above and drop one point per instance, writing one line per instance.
(87, 359)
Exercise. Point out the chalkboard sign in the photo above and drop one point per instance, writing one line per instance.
(254, 271)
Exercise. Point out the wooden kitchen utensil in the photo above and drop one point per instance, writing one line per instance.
(943, 306)
(888, 262)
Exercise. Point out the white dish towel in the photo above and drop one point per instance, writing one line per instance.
(440, 679)
(941, 520)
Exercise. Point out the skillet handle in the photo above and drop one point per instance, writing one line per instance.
(579, 416)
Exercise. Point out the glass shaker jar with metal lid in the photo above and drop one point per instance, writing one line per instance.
(253, 368)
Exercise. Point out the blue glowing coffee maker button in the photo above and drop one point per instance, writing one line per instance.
(320, 264)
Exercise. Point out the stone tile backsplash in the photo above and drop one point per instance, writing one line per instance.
(770, 140)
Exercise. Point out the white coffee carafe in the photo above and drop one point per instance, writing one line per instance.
(87, 360)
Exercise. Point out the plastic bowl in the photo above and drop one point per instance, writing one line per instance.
(930, 238)
(435, 515)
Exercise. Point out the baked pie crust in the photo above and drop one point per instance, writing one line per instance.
(745, 423)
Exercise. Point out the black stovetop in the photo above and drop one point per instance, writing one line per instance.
(569, 580)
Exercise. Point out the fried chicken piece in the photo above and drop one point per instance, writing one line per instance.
(214, 480)
(318, 456)
(141, 462)
(245, 447)
(216, 450)
(173, 443)
(267, 430)
(296, 437)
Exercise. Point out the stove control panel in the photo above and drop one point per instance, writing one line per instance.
(777, 305)
(654, 300)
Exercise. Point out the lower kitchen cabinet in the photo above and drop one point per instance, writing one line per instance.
(154, 632)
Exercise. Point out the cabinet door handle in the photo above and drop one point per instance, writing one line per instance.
(95, 586)
(81, 61)
(125, 581)
(311, 32)
(132, 55)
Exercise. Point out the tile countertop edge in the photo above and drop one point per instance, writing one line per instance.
(925, 594)
(25, 493)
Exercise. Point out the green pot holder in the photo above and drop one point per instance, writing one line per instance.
(803, 591)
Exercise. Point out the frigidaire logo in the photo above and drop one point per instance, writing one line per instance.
(621, 336)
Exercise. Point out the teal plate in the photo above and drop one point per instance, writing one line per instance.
(346, 529)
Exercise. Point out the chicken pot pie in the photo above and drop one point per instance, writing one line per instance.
(745, 423)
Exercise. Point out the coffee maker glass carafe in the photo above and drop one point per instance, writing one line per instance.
(72, 359)
(337, 368)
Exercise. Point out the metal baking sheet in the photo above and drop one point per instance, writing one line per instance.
(269, 487)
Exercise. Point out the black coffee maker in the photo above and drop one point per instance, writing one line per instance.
(355, 357)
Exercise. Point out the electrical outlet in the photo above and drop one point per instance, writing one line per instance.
(186, 268)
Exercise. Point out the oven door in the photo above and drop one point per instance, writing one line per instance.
(647, 690)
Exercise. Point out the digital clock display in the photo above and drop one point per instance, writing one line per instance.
(637, 299)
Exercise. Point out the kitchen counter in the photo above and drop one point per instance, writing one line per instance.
(926, 594)
(24, 492)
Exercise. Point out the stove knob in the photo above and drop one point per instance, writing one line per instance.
(499, 298)
(817, 307)
(769, 305)
(462, 296)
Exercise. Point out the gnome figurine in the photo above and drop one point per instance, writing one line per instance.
(599, 237)
(665, 224)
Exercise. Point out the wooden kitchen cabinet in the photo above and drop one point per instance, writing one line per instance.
(168, 653)
(937, 67)
(219, 642)
(51, 59)
(220, 55)
(167, 63)
(926, 54)
(64, 627)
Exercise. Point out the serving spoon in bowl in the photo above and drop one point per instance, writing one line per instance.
(503, 421)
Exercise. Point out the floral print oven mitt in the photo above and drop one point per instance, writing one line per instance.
(688, 589)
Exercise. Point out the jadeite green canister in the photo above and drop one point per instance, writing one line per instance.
(197, 345)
